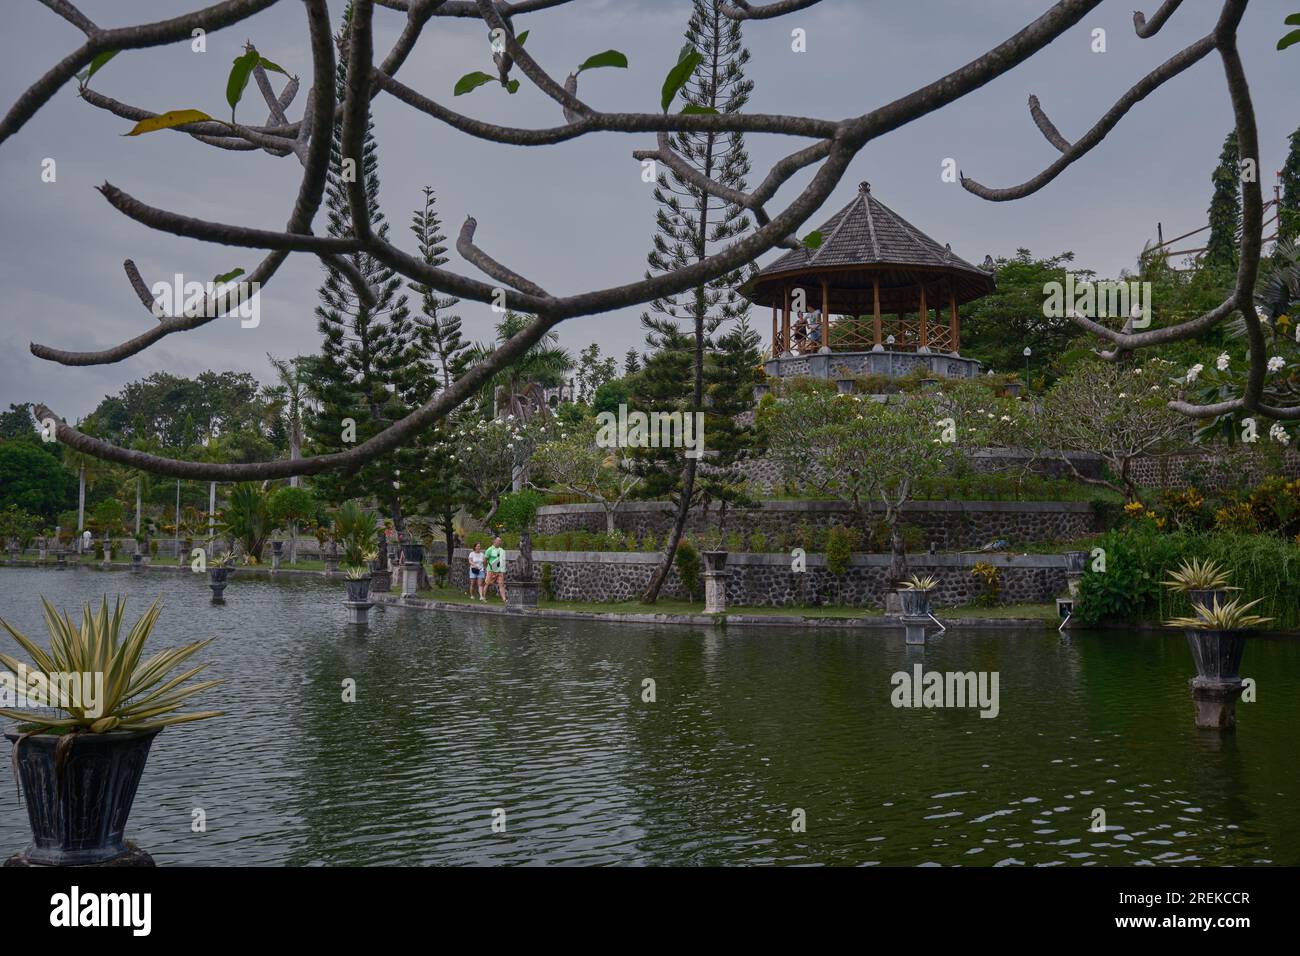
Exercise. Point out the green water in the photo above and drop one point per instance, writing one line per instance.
(457, 716)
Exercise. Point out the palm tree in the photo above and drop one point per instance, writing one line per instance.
(516, 389)
(293, 397)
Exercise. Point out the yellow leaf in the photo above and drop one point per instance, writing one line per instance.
(168, 120)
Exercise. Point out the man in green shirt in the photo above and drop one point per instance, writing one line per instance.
(496, 567)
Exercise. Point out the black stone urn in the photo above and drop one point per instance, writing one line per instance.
(522, 593)
(137, 561)
(915, 603)
(217, 580)
(78, 806)
(715, 561)
(1075, 561)
(277, 548)
(331, 558)
(358, 589)
(412, 553)
(61, 559)
(1217, 654)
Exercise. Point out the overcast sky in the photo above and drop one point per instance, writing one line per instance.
(577, 216)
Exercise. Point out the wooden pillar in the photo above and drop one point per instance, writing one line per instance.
(785, 323)
(954, 323)
(924, 314)
(775, 332)
(826, 314)
(875, 297)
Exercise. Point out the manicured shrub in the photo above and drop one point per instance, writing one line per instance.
(758, 542)
(687, 561)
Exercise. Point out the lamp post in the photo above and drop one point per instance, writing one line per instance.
(1028, 352)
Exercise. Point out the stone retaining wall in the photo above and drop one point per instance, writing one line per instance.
(1224, 469)
(951, 525)
(767, 580)
(766, 476)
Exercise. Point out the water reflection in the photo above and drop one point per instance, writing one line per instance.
(456, 716)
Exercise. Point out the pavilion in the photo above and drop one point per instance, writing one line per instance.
(893, 290)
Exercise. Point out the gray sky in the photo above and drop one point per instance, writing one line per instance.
(578, 216)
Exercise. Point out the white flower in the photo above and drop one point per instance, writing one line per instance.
(1278, 434)
(1155, 388)
(1006, 418)
(1276, 362)
(1194, 371)
(1222, 362)
(1123, 394)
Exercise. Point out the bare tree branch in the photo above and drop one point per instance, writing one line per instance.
(743, 10)
(1147, 29)
(1071, 153)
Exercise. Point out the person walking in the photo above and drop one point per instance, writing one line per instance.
(496, 568)
(477, 572)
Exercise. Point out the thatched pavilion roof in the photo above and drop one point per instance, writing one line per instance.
(866, 241)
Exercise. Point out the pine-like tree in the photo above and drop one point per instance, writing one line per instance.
(438, 342)
(358, 374)
(631, 362)
(730, 378)
(1288, 224)
(691, 224)
(438, 356)
(1225, 209)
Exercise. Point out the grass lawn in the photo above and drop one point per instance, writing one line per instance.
(1045, 612)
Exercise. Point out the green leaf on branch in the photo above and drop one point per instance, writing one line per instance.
(521, 38)
(694, 109)
(268, 65)
(608, 58)
(240, 71)
(168, 120)
(1293, 20)
(95, 65)
(813, 240)
(1290, 39)
(471, 81)
(512, 86)
(687, 61)
(227, 276)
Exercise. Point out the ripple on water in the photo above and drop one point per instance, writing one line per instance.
(458, 716)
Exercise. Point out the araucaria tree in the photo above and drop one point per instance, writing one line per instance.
(1225, 209)
(366, 349)
(692, 221)
(1288, 222)
(357, 248)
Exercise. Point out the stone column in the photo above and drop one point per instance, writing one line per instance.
(1216, 702)
(410, 578)
(715, 592)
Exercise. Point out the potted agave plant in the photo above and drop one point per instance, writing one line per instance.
(219, 574)
(356, 578)
(79, 762)
(914, 593)
(1217, 636)
(1204, 582)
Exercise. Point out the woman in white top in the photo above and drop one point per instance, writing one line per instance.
(476, 572)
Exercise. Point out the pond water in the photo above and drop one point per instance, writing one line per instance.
(457, 715)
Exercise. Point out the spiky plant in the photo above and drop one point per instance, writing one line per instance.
(136, 695)
(1198, 575)
(356, 572)
(1231, 616)
(920, 582)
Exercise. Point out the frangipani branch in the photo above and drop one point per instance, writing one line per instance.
(836, 143)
